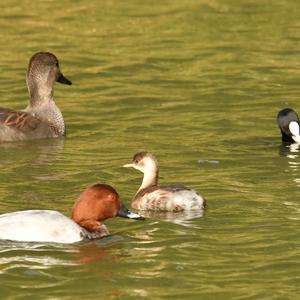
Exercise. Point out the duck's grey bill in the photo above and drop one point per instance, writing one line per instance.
(134, 216)
(125, 213)
(62, 79)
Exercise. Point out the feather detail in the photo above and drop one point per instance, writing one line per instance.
(170, 198)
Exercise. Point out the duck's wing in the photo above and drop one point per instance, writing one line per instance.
(18, 120)
(20, 125)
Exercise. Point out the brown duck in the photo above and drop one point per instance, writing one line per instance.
(41, 118)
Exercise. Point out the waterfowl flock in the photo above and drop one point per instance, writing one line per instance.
(43, 119)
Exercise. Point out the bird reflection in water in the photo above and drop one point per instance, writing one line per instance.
(184, 218)
(36, 152)
(29, 163)
(97, 251)
(291, 151)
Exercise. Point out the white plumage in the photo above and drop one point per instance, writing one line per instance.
(294, 129)
(187, 199)
(40, 226)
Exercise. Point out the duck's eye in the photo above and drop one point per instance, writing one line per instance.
(136, 161)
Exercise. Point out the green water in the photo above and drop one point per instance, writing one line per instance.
(199, 84)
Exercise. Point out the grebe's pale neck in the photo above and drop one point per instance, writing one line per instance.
(147, 164)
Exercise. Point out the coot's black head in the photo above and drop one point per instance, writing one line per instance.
(284, 118)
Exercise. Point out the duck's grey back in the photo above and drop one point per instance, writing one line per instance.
(39, 226)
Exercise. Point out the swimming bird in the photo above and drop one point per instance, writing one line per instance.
(41, 118)
(150, 196)
(94, 205)
(288, 122)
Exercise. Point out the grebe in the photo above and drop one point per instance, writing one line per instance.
(150, 196)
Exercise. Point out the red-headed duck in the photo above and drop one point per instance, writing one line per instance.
(288, 123)
(150, 196)
(42, 118)
(96, 204)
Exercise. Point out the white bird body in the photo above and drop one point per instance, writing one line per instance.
(40, 226)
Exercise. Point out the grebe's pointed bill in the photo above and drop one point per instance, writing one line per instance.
(295, 131)
(125, 213)
(128, 166)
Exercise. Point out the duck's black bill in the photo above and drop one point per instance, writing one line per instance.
(125, 213)
(62, 79)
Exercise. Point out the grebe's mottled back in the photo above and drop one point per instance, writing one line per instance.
(150, 196)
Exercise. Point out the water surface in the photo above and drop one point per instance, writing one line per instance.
(199, 84)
